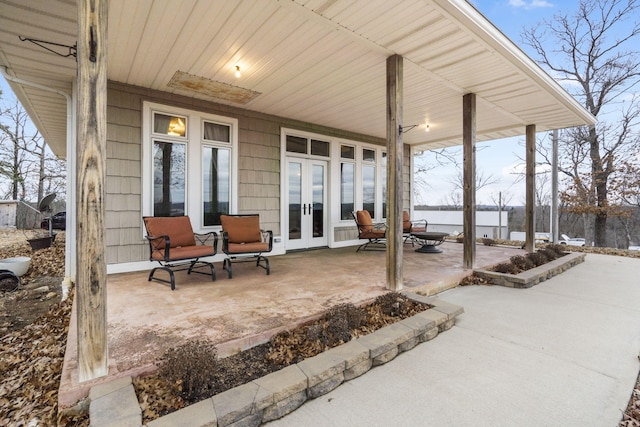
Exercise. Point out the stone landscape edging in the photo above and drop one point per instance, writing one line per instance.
(281, 392)
(532, 277)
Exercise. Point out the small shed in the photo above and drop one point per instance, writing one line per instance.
(8, 209)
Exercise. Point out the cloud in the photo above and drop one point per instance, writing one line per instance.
(531, 4)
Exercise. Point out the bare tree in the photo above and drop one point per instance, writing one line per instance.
(28, 169)
(592, 52)
(424, 165)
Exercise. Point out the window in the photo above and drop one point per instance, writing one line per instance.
(319, 148)
(189, 164)
(169, 164)
(296, 144)
(216, 197)
(302, 145)
(216, 172)
(169, 178)
(369, 181)
(169, 125)
(347, 190)
(347, 181)
(348, 152)
(383, 177)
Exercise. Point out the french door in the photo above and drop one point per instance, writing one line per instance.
(306, 220)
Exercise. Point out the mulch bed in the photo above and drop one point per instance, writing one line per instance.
(193, 373)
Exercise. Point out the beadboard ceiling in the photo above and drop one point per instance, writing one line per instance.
(319, 61)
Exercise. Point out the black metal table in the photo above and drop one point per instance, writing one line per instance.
(429, 240)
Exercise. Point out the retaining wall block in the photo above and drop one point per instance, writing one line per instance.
(235, 404)
(385, 357)
(200, 414)
(285, 406)
(280, 385)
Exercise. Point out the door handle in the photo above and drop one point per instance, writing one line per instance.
(304, 209)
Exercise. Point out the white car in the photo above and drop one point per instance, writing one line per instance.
(571, 241)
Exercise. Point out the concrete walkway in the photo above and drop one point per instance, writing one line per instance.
(563, 353)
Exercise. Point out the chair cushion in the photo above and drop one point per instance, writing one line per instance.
(420, 229)
(178, 228)
(244, 248)
(187, 252)
(365, 223)
(406, 222)
(242, 229)
(372, 234)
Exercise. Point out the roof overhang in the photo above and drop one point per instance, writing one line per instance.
(317, 61)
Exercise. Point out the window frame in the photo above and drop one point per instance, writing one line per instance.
(195, 143)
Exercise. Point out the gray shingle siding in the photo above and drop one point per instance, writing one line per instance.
(258, 165)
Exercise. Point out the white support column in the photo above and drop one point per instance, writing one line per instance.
(394, 172)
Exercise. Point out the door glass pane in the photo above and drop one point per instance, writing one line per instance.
(318, 200)
(169, 178)
(295, 144)
(347, 152)
(216, 185)
(295, 201)
(347, 190)
(369, 189)
(319, 148)
(368, 155)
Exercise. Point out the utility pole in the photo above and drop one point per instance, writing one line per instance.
(554, 187)
(500, 215)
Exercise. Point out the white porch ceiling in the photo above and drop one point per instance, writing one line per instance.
(318, 61)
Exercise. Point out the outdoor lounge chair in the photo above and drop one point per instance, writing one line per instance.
(172, 243)
(243, 238)
(408, 227)
(374, 233)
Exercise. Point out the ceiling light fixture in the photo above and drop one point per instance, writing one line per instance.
(238, 73)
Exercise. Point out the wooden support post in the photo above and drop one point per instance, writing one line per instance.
(530, 194)
(394, 172)
(469, 179)
(554, 188)
(91, 291)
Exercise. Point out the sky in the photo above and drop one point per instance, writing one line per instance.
(498, 159)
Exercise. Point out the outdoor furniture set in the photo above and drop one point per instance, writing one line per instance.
(174, 245)
(412, 231)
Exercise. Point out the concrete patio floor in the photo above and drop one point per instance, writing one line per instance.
(146, 318)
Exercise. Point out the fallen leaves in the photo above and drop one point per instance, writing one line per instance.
(341, 323)
(31, 367)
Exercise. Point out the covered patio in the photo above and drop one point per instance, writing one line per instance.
(146, 318)
(326, 90)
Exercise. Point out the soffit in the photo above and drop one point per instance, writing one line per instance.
(318, 61)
